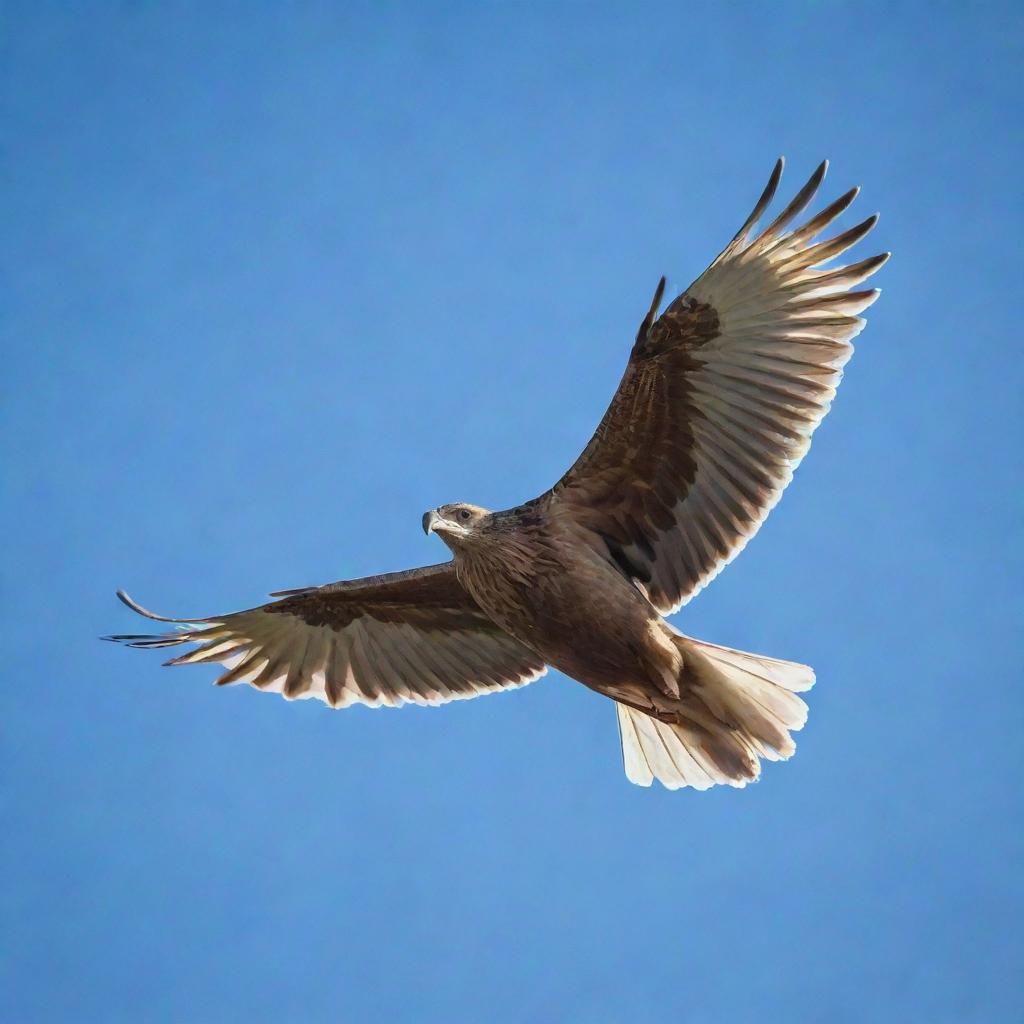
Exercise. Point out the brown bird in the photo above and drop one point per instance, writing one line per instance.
(714, 412)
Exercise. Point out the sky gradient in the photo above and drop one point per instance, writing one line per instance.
(275, 279)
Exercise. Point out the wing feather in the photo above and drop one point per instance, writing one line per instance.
(416, 637)
(720, 398)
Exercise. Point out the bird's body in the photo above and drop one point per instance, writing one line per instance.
(557, 594)
(714, 411)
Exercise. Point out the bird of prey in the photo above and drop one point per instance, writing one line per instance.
(717, 405)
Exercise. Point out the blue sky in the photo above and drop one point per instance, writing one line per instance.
(277, 278)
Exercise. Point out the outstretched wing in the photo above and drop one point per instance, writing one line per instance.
(719, 400)
(414, 637)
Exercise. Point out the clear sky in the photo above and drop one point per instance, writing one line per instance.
(277, 278)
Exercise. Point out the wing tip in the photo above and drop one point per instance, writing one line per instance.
(126, 599)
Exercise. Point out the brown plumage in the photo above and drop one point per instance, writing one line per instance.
(716, 408)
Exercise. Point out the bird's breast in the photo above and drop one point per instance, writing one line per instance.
(514, 583)
(576, 612)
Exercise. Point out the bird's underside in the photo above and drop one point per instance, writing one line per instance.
(716, 408)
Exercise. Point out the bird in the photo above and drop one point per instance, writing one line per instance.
(721, 394)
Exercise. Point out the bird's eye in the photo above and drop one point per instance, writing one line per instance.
(465, 515)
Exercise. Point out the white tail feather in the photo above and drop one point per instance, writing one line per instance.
(737, 708)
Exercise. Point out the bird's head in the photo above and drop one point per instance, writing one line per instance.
(455, 524)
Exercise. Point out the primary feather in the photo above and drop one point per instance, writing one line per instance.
(719, 401)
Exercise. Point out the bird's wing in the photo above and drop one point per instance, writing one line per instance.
(414, 637)
(719, 400)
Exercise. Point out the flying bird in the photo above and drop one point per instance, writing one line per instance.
(721, 394)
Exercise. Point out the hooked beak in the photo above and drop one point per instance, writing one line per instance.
(430, 520)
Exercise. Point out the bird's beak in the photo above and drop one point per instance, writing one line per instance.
(430, 520)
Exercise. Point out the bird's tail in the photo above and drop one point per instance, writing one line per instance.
(735, 709)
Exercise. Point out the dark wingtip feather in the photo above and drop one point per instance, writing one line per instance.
(180, 660)
(799, 202)
(857, 232)
(146, 613)
(143, 641)
(755, 215)
(652, 312)
(766, 197)
(150, 640)
(123, 597)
